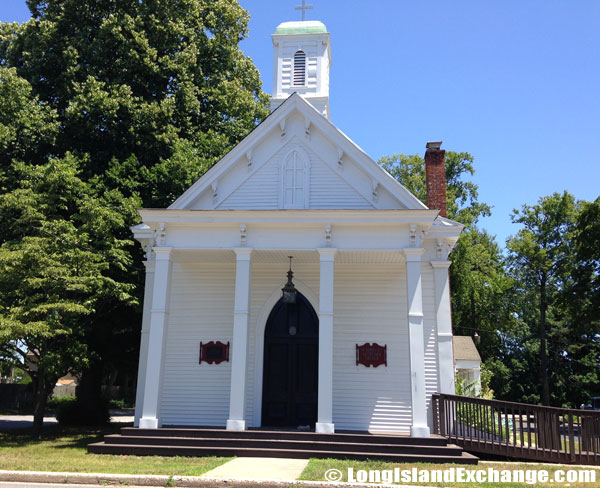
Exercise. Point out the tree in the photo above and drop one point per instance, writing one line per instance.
(27, 127)
(55, 260)
(541, 261)
(130, 78)
(146, 96)
(480, 302)
(461, 194)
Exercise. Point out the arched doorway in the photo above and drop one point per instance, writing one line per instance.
(290, 365)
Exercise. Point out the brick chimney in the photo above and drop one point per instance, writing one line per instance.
(435, 176)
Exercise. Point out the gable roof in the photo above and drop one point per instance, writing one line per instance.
(465, 349)
(296, 103)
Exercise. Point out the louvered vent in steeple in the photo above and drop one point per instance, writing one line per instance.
(300, 68)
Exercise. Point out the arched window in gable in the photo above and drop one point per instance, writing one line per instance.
(295, 177)
(300, 68)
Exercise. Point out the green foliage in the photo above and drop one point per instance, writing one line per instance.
(69, 411)
(122, 104)
(130, 78)
(27, 127)
(60, 247)
(479, 289)
(461, 194)
(556, 336)
(55, 402)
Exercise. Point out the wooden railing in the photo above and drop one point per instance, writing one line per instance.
(518, 430)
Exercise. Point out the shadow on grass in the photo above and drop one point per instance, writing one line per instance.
(73, 437)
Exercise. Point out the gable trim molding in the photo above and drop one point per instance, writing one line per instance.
(337, 137)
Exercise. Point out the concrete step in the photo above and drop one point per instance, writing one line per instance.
(285, 444)
(156, 450)
(221, 433)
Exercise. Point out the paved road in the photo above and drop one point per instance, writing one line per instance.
(9, 422)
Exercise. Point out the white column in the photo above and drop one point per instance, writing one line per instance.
(444, 326)
(419, 427)
(158, 324)
(239, 348)
(326, 293)
(145, 337)
(477, 381)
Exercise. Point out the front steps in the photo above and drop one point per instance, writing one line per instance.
(284, 444)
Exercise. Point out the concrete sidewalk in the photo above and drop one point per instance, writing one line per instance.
(249, 468)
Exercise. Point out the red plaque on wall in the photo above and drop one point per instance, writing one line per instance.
(214, 352)
(371, 355)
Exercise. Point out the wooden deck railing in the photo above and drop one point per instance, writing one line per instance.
(518, 430)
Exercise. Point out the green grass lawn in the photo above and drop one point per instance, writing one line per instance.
(317, 467)
(65, 449)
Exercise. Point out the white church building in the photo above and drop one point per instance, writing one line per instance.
(361, 335)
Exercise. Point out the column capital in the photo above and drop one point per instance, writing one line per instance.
(162, 253)
(441, 264)
(413, 253)
(327, 253)
(243, 253)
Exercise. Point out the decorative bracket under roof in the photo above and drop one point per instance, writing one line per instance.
(249, 159)
(307, 128)
(340, 158)
(214, 186)
(282, 127)
(374, 190)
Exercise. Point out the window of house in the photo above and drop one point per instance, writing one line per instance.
(300, 68)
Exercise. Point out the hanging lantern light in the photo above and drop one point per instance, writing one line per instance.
(289, 290)
(476, 338)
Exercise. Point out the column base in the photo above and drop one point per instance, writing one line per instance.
(324, 428)
(148, 423)
(419, 431)
(236, 425)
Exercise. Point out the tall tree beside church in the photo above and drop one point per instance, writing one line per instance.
(146, 96)
(542, 261)
(58, 246)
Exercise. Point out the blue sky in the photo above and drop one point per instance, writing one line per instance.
(515, 83)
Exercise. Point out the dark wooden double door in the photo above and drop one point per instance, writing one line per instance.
(290, 369)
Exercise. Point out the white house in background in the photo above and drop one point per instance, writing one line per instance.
(467, 362)
(369, 337)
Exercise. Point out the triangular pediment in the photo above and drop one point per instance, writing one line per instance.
(298, 159)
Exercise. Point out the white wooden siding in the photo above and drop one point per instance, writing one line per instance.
(200, 310)
(327, 190)
(370, 306)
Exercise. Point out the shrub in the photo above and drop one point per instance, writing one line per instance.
(70, 412)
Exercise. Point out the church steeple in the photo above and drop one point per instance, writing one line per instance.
(302, 58)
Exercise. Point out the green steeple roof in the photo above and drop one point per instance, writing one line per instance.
(301, 27)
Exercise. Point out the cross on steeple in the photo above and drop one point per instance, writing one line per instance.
(304, 8)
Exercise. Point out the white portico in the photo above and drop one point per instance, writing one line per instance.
(370, 264)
